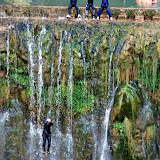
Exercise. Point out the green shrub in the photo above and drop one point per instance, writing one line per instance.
(131, 14)
(148, 14)
(115, 13)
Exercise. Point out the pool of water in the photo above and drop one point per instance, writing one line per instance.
(113, 3)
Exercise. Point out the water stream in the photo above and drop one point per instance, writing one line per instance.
(30, 44)
(69, 110)
(40, 71)
(3, 120)
(8, 67)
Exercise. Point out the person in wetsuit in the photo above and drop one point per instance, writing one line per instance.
(47, 134)
(104, 4)
(88, 6)
(73, 3)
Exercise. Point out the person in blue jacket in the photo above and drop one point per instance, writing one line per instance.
(47, 135)
(88, 6)
(104, 4)
(73, 3)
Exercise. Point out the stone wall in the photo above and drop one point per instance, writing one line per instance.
(52, 12)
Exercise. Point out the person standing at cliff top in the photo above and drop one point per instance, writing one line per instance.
(90, 4)
(104, 4)
(73, 3)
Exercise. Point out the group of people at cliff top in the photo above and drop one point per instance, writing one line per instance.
(104, 5)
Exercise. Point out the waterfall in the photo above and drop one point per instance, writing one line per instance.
(109, 75)
(93, 120)
(59, 84)
(58, 98)
(105, 148)
(93, 124)
(30, 44)
(31, 137)
(35, 139)
(4, 118)
(69, 126)
(84, 62)
(8, 68)
(40, 71)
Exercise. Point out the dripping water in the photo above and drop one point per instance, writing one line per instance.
(105, 148)
(3, 120)
(59, 85)
(58, 98)
(84, 62)
(69, 126)
(93, 122)
(40, 71)
(8, 67)
(93, 125)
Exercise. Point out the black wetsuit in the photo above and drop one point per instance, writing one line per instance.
(47, 135)
(73, 3)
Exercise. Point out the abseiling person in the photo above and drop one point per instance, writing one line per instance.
(88, 6)
(104, 4)
(47, 135)
(73, 3)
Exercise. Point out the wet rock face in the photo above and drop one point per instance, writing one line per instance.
(133, 130)
(133, 127)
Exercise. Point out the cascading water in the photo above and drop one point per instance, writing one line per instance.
(105, 148)
(40, 71)
(59, 83)
(93, 118)
(8, 67)
(93, 125)
(58, 98)
(4, 118)
(84, 62)
(78, 118)
(30, 44)
(69, 110)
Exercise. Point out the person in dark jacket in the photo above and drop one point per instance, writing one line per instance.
(47, 134)
(104, 4)
(88, 6)
(73, 3)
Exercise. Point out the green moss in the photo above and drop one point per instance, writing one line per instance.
(82, 101)
(20, 79)
(131, 14)
(115, 13)
(148, 14)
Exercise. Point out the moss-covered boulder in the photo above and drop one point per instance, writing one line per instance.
(133, 128)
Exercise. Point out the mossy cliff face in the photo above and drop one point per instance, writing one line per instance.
(134, 70)
(134, 133)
